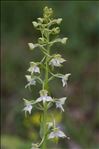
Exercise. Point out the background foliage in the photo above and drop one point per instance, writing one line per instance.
(81, 118)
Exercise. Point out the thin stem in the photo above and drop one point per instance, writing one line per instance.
(45, 86)
(44, 128)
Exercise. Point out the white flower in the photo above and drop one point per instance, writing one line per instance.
(44, 97)
(34, 68)
(59, 102)
(65, 78)
(57, 60)
(28, 107)
(56, 133)
(31, 81)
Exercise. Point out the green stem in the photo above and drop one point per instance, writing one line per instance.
(44, 128)
(45, 86)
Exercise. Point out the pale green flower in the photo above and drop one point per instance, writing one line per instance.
(60, 102)
(49, 29)
(34, 68)
(44, 97)
(56, 133)
(31, 81)
(57, 60)
(65, 79)
(28, 107)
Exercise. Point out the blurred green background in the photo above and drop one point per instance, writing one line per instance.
(81, 118)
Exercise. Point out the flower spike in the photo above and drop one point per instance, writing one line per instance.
(43, 72)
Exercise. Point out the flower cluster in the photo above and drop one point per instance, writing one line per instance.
(48, 28)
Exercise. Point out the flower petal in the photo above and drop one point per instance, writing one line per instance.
(51, 135)
(58, 105)
(61, 134)
(28, 108)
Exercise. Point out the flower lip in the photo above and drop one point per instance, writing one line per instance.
(28, 106)
(58, 105)
(57, 60)
(34, 68)
(60, 102)
(31, 81)
(56, 133)
(44, 97)
(65, 79)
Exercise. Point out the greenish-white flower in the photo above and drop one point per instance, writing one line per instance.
(65, 79)
(44, 97)
(57, 60)
(34, 68)
(60, 102)
(28, 107)
(56, 133)
(31, 81)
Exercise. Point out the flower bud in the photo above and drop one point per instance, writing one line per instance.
(43, 92)
(35, 24)
(59, 21)
(31, 46)
(40, 20)
(41, 40)
(48, 12)
(55, 30)
(64, 40)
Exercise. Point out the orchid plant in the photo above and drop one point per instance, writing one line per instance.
(47, 26)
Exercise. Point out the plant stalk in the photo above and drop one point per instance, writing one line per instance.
(44, 145)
